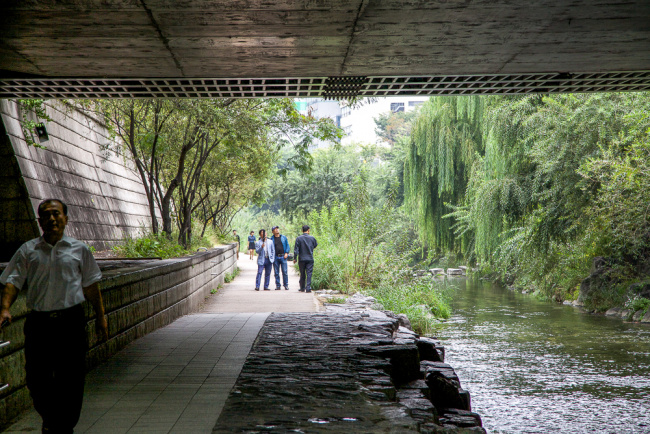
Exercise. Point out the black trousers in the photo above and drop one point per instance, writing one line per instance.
(55, 353)
(306, 268)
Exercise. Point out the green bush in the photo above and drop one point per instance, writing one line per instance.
(337, 300)
(639, 303)
(157, 246)
(331, 269)
(369, 249)
(424, 301)
(229, 277)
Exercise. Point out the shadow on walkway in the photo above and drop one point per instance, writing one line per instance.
(178, 378)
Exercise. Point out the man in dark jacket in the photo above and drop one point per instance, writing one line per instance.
(303, 252)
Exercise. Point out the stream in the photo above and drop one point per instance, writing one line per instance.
(540, 367)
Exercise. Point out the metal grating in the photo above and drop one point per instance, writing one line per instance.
(325, 87)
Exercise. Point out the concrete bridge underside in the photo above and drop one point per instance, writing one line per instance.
(320, 48)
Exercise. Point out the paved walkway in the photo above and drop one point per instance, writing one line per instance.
(177, 379)
(240, 294)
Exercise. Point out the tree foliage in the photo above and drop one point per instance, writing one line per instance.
(207, 157)
(391, 127)
(533, 186)
(446, 140)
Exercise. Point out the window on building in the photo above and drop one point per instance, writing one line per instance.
(347, 130)
(396, 107)
(415, 103)
(338, 121)
(345, 111)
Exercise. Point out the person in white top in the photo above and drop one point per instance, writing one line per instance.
(266, 255)
(58, 274)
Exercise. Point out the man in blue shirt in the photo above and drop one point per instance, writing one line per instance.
(282, 250)
(304, 254)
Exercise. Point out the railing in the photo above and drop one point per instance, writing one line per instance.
(3, 344)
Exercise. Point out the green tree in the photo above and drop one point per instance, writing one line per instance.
(533, 187)
(446, 140)
(391, 127)
(173, 141)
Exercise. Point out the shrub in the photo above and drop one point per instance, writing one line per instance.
(369, 249)
(639, 303)
(156, 246)
(337, 300)
(229, 277)
(424, 301)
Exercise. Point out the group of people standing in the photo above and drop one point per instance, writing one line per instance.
(275, 252)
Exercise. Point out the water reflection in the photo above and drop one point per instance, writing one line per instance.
(536, 367)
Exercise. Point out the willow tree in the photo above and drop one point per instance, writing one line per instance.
(446, 141)
(499, 189)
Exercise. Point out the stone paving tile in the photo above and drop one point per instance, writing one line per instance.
(175, 379)
(240, 296)
(331, 372)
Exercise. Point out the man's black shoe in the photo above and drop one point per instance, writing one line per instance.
(301, 290)
(266, 289)
(308, 291)
(286, 287)
(257, 289)
(278, 288)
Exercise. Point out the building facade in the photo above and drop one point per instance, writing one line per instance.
(357, 122)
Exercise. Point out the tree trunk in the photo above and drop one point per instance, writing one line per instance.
(152, 212)
(166, 212)
(185, 235)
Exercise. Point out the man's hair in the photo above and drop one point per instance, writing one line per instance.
(252, 232)
(305, 228)
(63, 205)
(262, 230)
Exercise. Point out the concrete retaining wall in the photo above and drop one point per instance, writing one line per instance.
(105, 196)
(138, 300)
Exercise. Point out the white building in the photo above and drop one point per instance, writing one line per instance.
(358, 123)
(319, 108)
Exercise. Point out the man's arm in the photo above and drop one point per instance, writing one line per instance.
(296, 249)
(259, 246)
(9, 294)
(94, 297)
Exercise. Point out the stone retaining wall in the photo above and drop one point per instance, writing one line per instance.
(105, 196)
(346, 370)
(137, 299)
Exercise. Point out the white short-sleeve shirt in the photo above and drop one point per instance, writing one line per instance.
(54, 276)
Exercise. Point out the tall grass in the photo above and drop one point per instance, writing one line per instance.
(367, 249)
(423, 301)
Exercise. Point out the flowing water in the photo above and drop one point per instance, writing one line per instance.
(540, 367)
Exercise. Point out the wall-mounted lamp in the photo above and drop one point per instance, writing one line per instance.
(41, 131)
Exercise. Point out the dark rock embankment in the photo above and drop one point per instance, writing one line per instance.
(603, 279)
(346, 371)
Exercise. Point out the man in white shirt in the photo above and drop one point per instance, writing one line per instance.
(58, 273)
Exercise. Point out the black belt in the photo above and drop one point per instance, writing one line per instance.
(61, 313)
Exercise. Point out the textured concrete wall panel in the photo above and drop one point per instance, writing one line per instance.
(105, 195)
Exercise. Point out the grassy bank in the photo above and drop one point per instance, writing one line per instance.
(353, 256)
